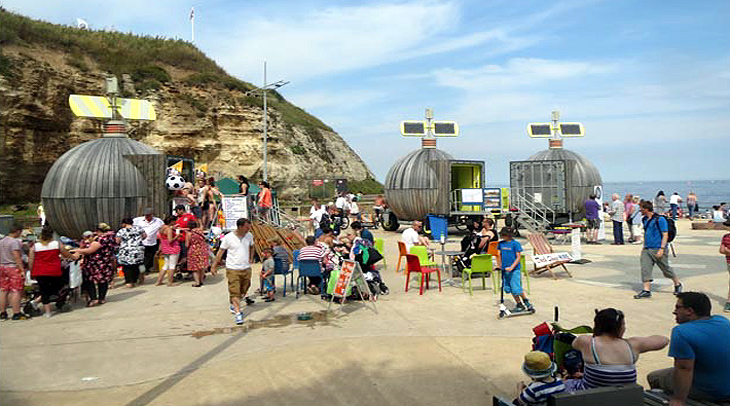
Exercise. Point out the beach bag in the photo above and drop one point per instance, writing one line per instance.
(74, 275)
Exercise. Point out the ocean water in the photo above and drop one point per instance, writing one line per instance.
(708, 192)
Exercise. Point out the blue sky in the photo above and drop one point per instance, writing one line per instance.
(650, 80)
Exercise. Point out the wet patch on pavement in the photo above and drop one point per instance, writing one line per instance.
(320, 318)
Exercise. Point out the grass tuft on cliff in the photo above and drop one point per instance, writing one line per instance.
(144, 57)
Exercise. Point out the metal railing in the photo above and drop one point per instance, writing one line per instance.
(536, 214)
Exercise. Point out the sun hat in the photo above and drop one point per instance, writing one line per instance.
(87, 233)
(538, 365)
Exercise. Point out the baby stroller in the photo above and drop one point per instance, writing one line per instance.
(32, 306)
(367, 257)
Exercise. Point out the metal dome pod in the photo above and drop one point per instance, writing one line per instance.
(95, 182)
(106, 179)
(553, 185)
(582, 176)
(412, 186)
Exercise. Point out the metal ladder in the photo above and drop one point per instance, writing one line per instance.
(535, 216)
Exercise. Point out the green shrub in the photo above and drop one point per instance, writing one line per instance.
(151, 72)
(298, 149)
(367, 186)
(147, 85)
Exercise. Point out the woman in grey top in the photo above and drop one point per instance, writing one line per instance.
(660, 203)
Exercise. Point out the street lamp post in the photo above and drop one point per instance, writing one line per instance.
(263, 89)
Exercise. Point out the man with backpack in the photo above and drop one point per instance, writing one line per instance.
(656, 237)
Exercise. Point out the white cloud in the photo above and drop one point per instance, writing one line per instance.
(340, 39)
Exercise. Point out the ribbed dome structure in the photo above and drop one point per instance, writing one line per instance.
(584, 175)
(412, 184)
(94, 182)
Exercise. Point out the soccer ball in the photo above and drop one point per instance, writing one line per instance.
(175, 182)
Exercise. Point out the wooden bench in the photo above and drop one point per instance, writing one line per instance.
(658, 398)
(629, 395)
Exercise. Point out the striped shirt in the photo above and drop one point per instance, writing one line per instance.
(314, 252)
(599, 375)
(537, 392)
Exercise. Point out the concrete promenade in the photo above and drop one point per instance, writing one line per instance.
(179, 346)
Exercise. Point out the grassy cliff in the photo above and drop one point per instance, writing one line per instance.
(147, 59)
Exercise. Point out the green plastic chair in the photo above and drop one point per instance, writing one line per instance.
(422, 254)
(523, 269)
(380, 247)
(481, 264)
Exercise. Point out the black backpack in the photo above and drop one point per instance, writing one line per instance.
(671, 226)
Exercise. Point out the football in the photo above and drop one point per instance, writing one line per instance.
(175, 182)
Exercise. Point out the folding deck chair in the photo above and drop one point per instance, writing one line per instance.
(541, 247)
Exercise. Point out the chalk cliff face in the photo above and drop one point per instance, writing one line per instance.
(205, 122)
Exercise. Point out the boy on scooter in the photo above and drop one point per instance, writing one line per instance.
(510, 252)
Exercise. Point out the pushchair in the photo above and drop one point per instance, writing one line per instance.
(32, 294)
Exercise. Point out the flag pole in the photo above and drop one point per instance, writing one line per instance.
(192, 23)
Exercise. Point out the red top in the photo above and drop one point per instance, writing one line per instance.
(182, 221)
(46, 261)
(266, 197)
(726, 244)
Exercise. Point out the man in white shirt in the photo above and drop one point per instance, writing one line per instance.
(674, 202)
(315, 213)
(239, 245)
(410, 236)
(341, 204)
(151, 225)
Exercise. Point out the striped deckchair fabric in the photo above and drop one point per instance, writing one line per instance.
(541, 246)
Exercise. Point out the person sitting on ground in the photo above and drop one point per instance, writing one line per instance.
(363, 233)
(267, 274)
(609, 359)
(717, 215)
(510, 254)
(313, 251)
(725, 250)
(541, 370)
(410, 236)
(700, 347)
(45, 267)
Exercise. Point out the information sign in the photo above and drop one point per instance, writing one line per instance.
(547, 259)
(234, 208)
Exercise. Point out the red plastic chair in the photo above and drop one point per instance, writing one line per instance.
(414, 265)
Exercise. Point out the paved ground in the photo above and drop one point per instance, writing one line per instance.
(178, 345)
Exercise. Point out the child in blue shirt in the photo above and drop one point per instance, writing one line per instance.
(510, 252)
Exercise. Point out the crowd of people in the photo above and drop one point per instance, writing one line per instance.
(98, 256)
(327, 249)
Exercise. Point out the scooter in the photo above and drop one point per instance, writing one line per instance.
(504, 312)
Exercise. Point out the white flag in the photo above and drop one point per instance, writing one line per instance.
(81, 24)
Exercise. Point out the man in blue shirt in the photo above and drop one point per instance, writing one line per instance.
(594, 223)
(656, 235)
(510, 252)
(700, 346)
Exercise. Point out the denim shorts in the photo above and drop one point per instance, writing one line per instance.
(513, 282)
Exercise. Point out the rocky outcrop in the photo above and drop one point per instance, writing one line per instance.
(208, 123)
